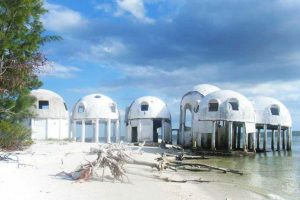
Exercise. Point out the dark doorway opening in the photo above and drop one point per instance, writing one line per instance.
(134, 134)
(156, 124)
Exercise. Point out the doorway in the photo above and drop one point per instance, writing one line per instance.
(156, 124)
(134, 134)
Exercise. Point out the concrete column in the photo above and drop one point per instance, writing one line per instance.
(162, 130)
(239, 137)
(108, 131)
(273, 140)
(194, 142)
(47, 129)
(74, 130)
(199, 140)
(245, 138)
(182, 127)
(265, 138)
(289, 144)
(96, 131)
(253, 142)
(82, 131)
(283, 139)
(278, 137)
(117, 131)
(213, 136)
(229, 136)
(258, 138)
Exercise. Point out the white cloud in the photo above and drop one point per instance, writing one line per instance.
(135, 8)
(59, 71)
(61, 19)
(104, 7)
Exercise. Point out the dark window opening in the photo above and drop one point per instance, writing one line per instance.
(234, 105)
(80, 109)
(144, 107)
(213, 107)
(113, 108)
(196, 109)
(274, 111)
(43, 105)
(97, 96)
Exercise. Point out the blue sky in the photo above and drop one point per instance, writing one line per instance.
(130, 48)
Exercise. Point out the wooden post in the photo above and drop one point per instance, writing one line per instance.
(239, 137)
(278, 137)
(213, 136)
(273, 140)
(265, 138)
(96, 131)
(258, 138)
(108, 131)
(229, 136)
(245, 138)
(83, 131)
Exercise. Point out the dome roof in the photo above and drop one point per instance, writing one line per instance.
(148, 107)
(49, 105)
(271, 111)
(95, 106)
(205, 89)
(226, 105)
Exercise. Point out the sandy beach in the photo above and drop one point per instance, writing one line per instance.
(35, 180)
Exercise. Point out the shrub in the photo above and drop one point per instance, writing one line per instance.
(14, 135)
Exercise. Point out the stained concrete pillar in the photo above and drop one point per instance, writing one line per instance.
(82, 131)
(239, 137)
(278, 137)
(273, 139)
(47, 129)
(245, 138)
(117, 131)
(253, 142)
(74, 130)
(283, 139)
(229, 136)
(258, 139)
(96, 130)
(108, 131)
(213, 136)
(162, 130)
(265, 138)
(289, 143)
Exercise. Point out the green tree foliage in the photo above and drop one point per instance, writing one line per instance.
(21, 36)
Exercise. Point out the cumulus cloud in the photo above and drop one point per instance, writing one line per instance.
(61, 19)
(135, 8)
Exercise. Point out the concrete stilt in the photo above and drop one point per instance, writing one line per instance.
(229, 136)
(74, 130)
(96, 131)
(213, 136)
(278, 138)
(265, 138)
(283, 139)
(82, 131)
(258, 139)
(108, 131)
(273, 139)
(239, 137)
(289, 145)
(117, 131)
(245, 138)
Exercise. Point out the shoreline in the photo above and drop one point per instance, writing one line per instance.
(44, 159)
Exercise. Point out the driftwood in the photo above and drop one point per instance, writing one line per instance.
(9, 157)
(115, 156)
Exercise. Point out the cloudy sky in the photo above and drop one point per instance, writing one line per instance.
(130, 48)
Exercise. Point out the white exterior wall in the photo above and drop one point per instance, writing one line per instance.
(144, 129)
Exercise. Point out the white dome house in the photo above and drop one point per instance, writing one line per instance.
(147, 118)
(223, 116)
(98, 112)
(272, 115)
(51, 118)
(189, 105)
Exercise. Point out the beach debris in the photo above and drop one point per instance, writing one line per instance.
(10, 157)
(114, 156)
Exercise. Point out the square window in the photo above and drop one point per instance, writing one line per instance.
(144, 107)
(213, 107)
(44, 105)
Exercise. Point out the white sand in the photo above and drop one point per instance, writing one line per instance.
(45, 159)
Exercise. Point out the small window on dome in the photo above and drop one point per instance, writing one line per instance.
(213, 105)
(113, 108)
(234, 104)
(44, 105)
(66, 108)
(144, 106)
(274, 110)
(97, 96)
(80, 109)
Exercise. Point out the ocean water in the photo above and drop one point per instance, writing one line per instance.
(275, 175)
